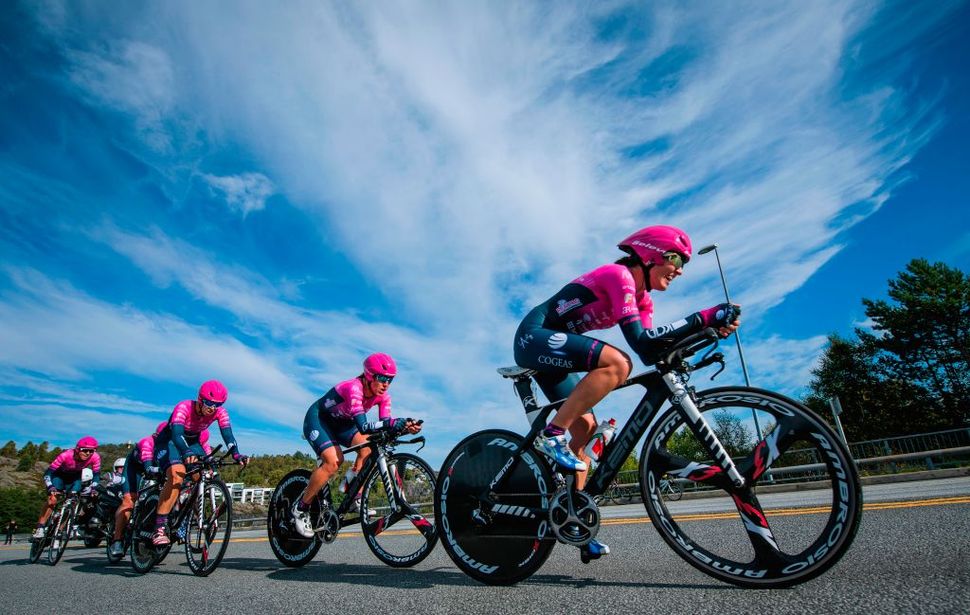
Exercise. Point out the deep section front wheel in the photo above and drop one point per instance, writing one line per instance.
(63, 528)
(398, 525)
(493, 512)
(208, 528)
(775, 544)
(144, 555)
(288, 546)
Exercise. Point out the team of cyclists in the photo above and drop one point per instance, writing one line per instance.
(550, 340)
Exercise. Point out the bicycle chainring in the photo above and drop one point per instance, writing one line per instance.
(574, 517)
(329, 525)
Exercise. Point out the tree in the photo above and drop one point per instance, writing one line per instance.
(728, 428)
(925, 337)
(910, 373)
(9, 449)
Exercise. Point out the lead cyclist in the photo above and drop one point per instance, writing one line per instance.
(550, 339)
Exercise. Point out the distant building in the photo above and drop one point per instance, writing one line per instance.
(255, 495)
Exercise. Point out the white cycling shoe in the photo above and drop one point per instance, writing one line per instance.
(39, 533)
(301, 521)
(116, 549)
(555, 448)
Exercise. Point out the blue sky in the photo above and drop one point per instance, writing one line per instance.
(265, 195)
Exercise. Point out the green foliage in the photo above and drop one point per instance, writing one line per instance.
(268, 470)
(730, 430)
(22, 505)
(9, 449)
(910, 375)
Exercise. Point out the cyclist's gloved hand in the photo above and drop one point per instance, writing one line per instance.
(397, 425)
(240, 459)
(720, 315)
(52, 490)
(152, 472)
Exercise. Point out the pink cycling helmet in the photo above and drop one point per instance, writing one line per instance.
(86, 442)
(379, 364)
(214, 391)
(652, 242)
(161, 426)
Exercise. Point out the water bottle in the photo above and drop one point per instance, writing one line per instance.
(597, 444)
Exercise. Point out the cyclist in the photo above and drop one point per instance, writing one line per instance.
(340, 417)
(178, 443)
(64, 474)
(117, 473)
(550, 338)
(136, 465)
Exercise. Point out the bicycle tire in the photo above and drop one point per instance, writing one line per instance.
(62, 535)
(514, 543)
(675, 491)
(416, 483)
(211, 528)
(761, 554)
(289, 547)
(144, 555)
(37, 546)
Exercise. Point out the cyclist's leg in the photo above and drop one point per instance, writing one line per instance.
(129, 484)
(58, 483)
(324, 444)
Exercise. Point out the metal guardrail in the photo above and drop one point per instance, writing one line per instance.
(809, 471)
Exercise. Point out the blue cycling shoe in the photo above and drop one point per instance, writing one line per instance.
(555, 448)
(594, 550)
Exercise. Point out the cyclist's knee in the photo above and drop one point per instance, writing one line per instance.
(616, 363)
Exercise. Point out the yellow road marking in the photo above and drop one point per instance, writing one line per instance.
(773, 512)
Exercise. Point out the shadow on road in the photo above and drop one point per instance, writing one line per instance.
(377, 575)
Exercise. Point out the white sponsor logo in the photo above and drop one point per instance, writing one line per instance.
(555, 361)
(563, 306)
(314, 435)
(329, 403)
(557, 340)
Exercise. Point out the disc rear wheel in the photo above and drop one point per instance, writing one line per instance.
(289, 547)
(492, 512)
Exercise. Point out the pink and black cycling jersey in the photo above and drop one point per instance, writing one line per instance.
(186, 425)
(342, 412)
(67, 466)
(146, 449)
(347, 401)
(550, 338)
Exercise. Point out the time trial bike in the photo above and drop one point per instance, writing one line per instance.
(395, 487)
(501, 506)
(201, 521)
(61, 526)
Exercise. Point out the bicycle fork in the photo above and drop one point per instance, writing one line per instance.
(680, 395)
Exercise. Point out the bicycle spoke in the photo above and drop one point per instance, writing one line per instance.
(697, 472)
(767, 451)
(759, 530)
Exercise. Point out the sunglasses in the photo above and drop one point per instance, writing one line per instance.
(85, 450)
(676, 259)
(211, 404)
(383, 379)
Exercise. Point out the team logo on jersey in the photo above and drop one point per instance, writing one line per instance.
(557, 340)
(524, 340)
(314, 435)
(628, 298)
(329, 403)
(563, 306)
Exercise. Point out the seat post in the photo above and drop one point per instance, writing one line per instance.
(526, 391)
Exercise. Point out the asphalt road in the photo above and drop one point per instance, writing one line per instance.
(912, 555)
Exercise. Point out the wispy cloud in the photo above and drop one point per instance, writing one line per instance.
(467, 161)
(245, 193)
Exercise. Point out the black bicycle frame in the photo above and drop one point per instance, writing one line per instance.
(623, 443)
(390, 487)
